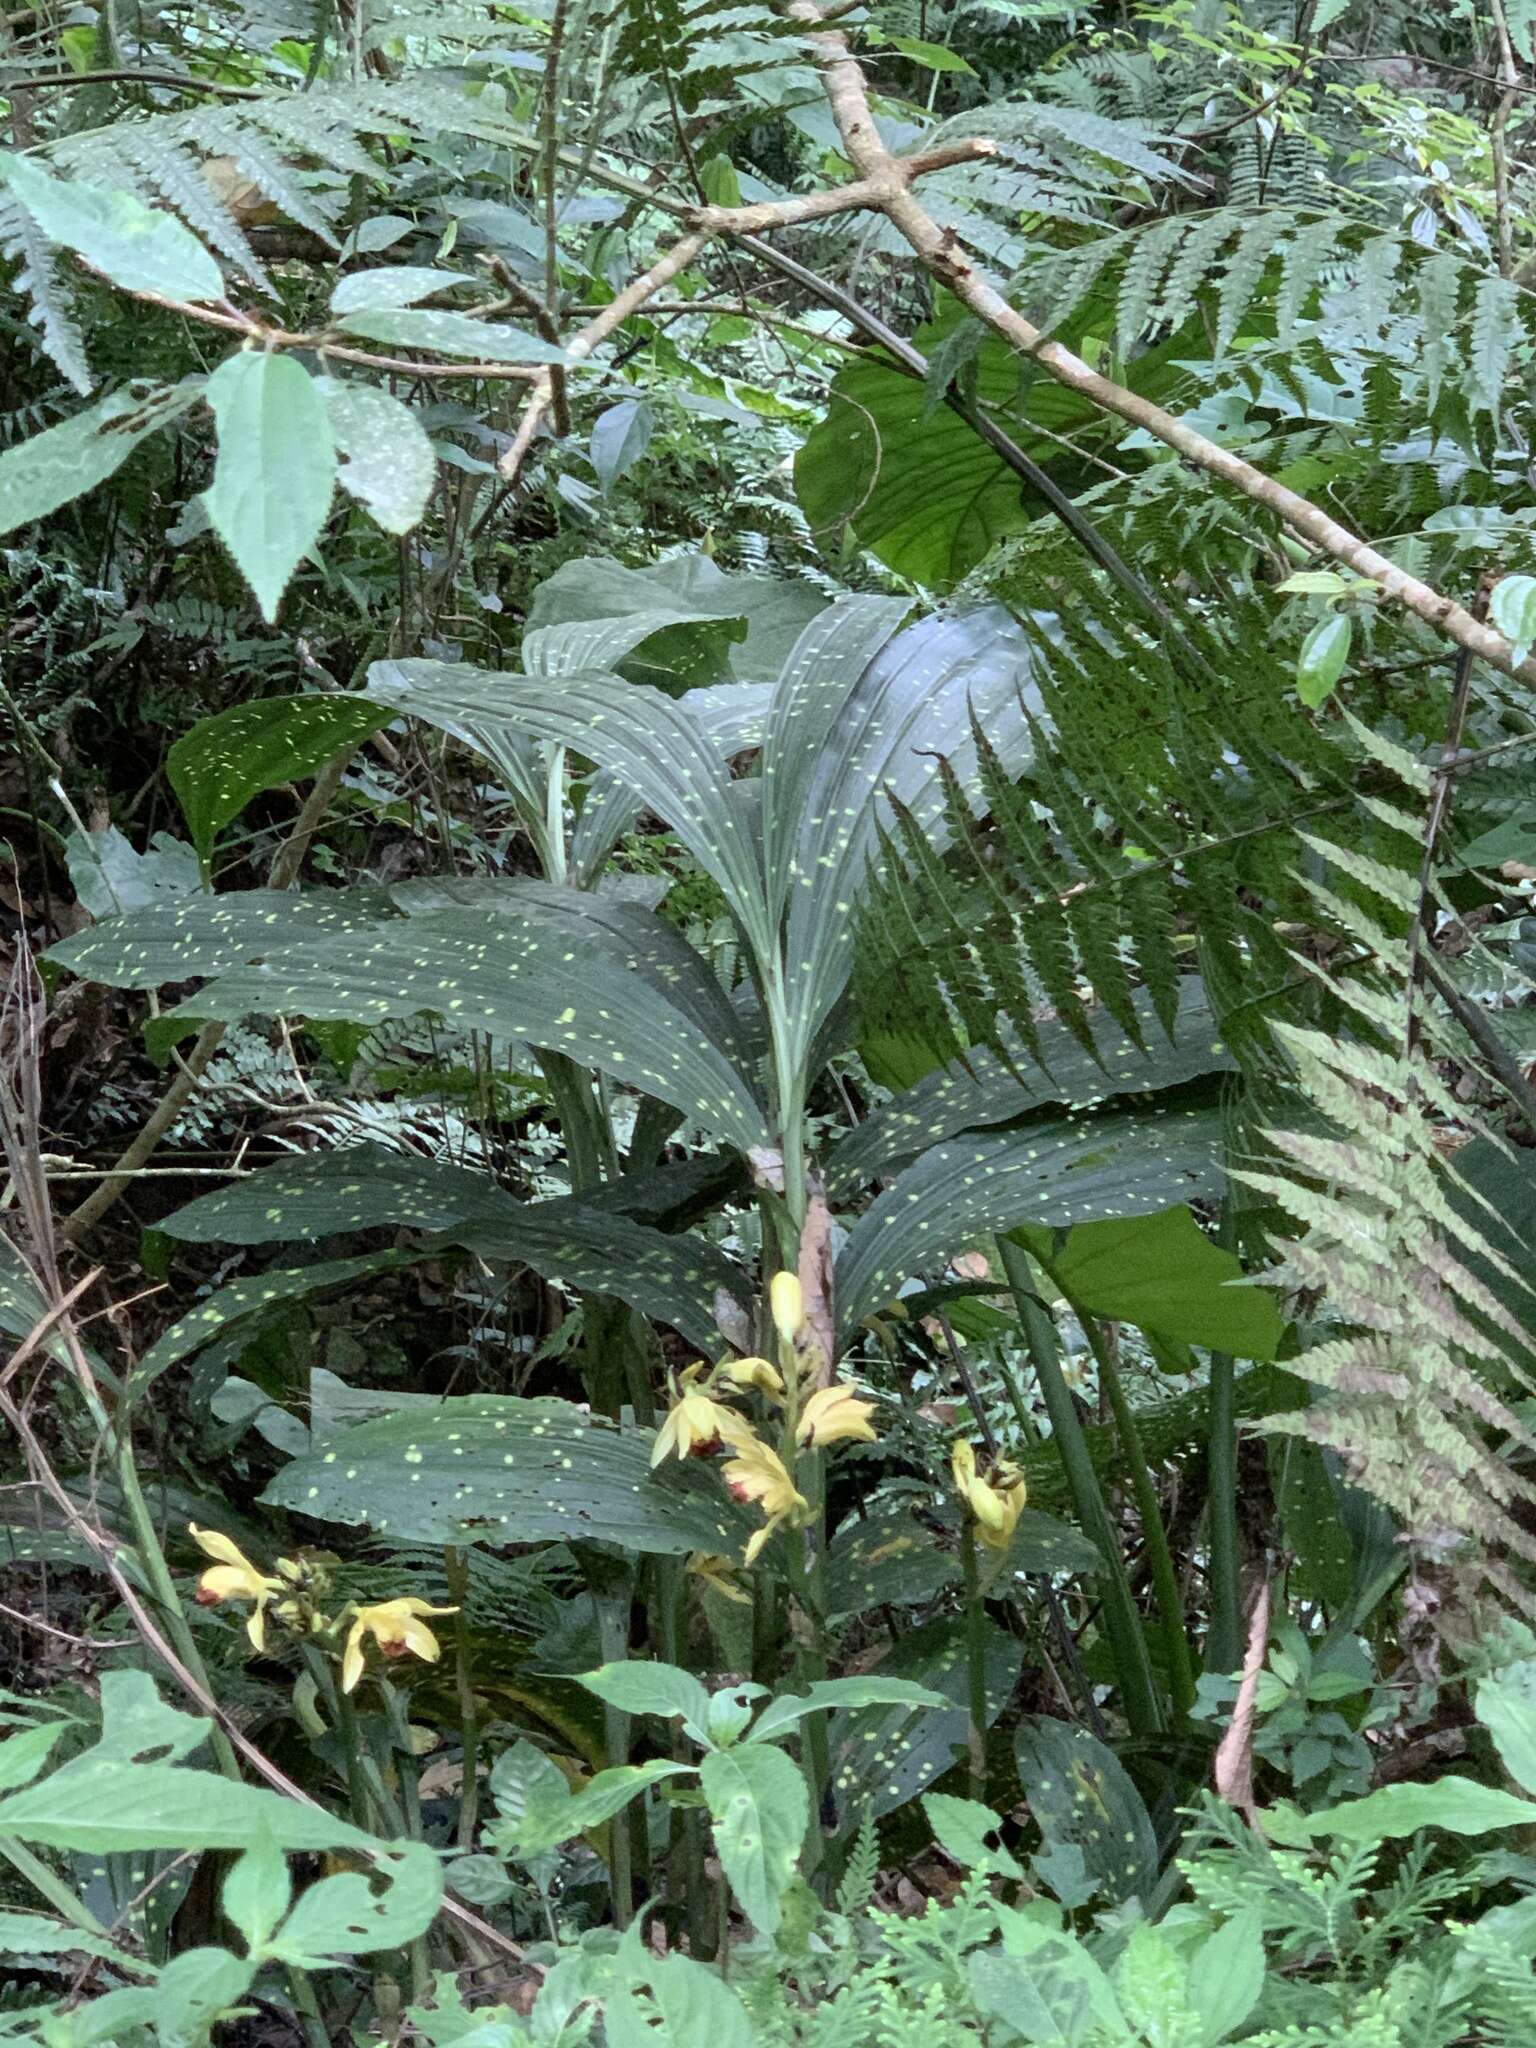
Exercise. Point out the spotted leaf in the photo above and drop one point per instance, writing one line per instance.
(499, 1470)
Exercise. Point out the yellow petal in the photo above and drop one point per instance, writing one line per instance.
(787, 1304)
(214, 1543)
(352, 1660)
(420, 1641)
(666, 1438)
(256, 1627)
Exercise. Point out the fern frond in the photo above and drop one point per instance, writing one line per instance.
(36, 277)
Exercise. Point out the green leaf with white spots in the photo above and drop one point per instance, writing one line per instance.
(649, 740)
(887, 1560)
(64, 462)
(1081, 1798)
(499, 1470)
(759, 1805)
(859, 716)
(142, 248)
(673, 1279)
(387, 462)
(882, 1756)
(609, 986)
(951, 1099)
(445, 333)
(224, 761)
(392, 284)
(256, 1296)
(204, 934)
(1057, 1174)
(276, 469)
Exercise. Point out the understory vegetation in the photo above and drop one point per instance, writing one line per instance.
(767, 1023)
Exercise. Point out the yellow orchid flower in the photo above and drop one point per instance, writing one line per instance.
(233, 1577)
(994, 1497)
(396, 1626)
(833, 1413)
(787, 1304)
(718, 1573)
(696, 1424)
(754, 1372)
(757, 1474)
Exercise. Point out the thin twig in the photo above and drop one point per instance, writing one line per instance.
(1498, 136)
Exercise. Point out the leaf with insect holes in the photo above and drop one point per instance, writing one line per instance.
(275, 473)
(39, 475)
(759, 1805)
(496, 1469)
(224, 761)
(1056, 1174)
(142, 248)
(387, 462)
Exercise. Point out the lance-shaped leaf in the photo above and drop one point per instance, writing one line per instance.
(878, 730)
(675, 1280)
(452, 334)
(759, 1805)
(1056, 1174)
(1081, 1798)
(496, 1469)
(203, 935)
(650, 740)
(276, 469)
(951, 1099)
(609, 986)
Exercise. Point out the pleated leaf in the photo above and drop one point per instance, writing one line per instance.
(673, 1279)
(649, 739)
(499, 1470)
(952, 1099)
(1057, 1174)
(609, 986)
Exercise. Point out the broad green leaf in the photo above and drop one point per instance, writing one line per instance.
(36, 1934)
(1057, 1174)
(594, 1247)
(639, 1687)
(858, 715)
(1513, 610)
(1226, 1975)
(619, 440)
(698, 2009)
(1079, 1795)
(884, 1756)
(1055, 1996)
(96, 1804)
(138, 247)
(759, 1805)
(109, 876)
(24, 1752)
(387, 461)
(1462, 1806)
(1164, 1274)
(224, 761)
(961, 1827)
(195, 1988)
(136, 1722)
(712, 624)
(348, 1915)
(257, 1892)
(1506, 1706)
(276, 468)
(556, 1815)
(392, 284)
(824, 1694)
(65, 462)
(1323, 655)
(203, 934)
(240, 1299)
(643, 736)
(1044, 1543)
(953, 1099)
(889, 1559)
(607, 985)
(495, 1469)
(452, 334)
(932, 56)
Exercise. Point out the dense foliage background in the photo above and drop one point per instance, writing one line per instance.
(766, 1063)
